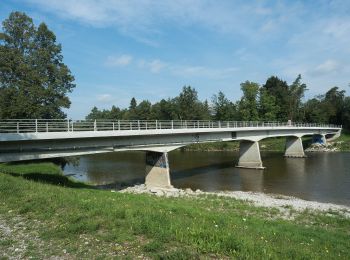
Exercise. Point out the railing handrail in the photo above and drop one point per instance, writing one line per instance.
(70, 125)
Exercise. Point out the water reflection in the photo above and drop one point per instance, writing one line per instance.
(320, 176)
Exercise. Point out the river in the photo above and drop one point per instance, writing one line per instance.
(323, 177)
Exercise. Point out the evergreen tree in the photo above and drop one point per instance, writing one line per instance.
(132, 114)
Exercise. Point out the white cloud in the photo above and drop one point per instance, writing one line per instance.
(202, 71)
(119, 61)
(105, 98)
(155, 66)
(329, 66)
(143, 18)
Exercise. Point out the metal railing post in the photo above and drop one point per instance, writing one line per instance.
(95, 125)
(67, 125)
(47, 127)
(17, 127)
(119, 125)
(36, 125)
(172, 124)
(138, 124)
(156, 124)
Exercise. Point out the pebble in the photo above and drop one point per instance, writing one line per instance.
(258, 199)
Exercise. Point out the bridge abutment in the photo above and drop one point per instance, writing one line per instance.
(249, 155)
(157, 170)
(294, 147)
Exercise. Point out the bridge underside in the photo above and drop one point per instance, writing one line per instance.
(24, 147)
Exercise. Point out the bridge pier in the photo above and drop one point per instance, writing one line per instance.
(319, 138)
(249, 155)
(157, 170)
(294, 147)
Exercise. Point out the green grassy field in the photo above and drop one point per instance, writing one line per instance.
(43, 214)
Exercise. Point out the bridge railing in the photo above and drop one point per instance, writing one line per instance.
(53, 125)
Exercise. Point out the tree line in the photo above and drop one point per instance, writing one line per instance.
(273, 101)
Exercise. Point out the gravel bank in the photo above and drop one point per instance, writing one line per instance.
(259, 199)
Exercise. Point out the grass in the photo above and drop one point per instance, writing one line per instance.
(54, 219)
(343, 142)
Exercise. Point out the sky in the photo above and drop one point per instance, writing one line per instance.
(151, 49)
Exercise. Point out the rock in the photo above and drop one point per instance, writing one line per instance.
(188, 190)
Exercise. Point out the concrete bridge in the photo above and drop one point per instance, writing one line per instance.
(39, 139)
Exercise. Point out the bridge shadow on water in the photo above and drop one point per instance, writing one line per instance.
(174, 175)
(195, 171)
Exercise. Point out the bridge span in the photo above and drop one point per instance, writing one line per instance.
(39, 139)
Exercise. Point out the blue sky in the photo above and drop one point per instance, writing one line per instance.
(150, 49)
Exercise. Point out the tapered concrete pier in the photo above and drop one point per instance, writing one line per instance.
(294, 147)
(249, 155)
(157, 170)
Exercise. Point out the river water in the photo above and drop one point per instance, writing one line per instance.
(323, 177)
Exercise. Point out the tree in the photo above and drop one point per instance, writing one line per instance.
(34, 81)
(296, 93)
(132, 114)
(223, 109)
(188, 107)
(164, 110)
(346, 114)
(267, 106)
(143, 110)
(116, 113)
(248, 105)
(334, 100)
(279, 90)
(316, 111)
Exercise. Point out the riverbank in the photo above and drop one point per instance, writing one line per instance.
(54, 216)
(280, 202)
(276, 144)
